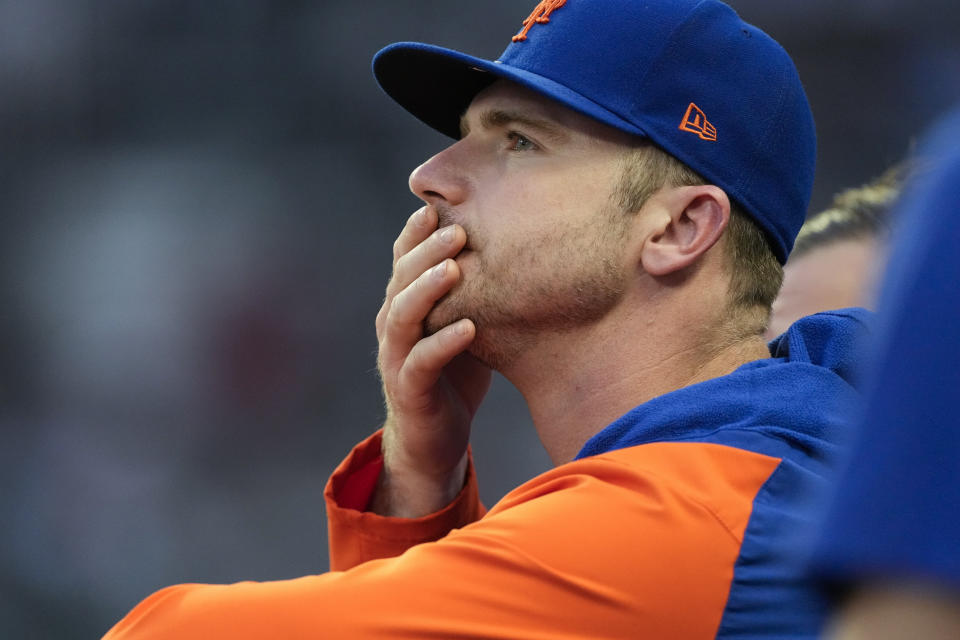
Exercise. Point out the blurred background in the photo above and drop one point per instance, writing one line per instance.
(199, 201)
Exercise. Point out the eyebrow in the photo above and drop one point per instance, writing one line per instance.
(494, 118)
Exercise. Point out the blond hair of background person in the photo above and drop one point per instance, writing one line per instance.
(839, 253)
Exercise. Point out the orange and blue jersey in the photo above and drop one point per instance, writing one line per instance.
(683, 519)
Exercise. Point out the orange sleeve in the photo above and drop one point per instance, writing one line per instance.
(639, 542)
(356, 535)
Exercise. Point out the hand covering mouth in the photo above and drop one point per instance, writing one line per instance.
(446, 218)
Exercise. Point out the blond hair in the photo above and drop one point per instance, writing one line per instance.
(858, 212)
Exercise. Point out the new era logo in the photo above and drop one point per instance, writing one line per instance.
(695, 121)
(540, 15)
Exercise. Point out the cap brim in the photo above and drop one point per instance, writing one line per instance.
(437, 85)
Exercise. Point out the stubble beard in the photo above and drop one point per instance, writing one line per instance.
(522, 290)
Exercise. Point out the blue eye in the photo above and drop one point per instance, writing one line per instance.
(519, 142)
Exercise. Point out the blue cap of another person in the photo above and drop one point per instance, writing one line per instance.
(715, 92)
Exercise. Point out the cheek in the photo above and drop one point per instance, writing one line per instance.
(569, 195)
(522, 208)
(531, 190)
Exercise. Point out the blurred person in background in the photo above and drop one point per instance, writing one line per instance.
(890, 542)
(839, 254)
(612, 248)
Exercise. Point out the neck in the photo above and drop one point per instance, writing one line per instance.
(577, 382)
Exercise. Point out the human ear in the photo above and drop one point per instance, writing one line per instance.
(697, 217)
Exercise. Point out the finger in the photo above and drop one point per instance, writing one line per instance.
(419, 226)
(442, 243)
(404, 320)
(429, 356)
(381, 320)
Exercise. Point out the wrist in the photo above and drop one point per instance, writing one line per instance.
(406, 492)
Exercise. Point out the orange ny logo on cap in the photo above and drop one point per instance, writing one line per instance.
(540, 15)
(695, 121)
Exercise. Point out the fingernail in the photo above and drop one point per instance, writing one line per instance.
(462, 328)
(447, 235)
(440, 270)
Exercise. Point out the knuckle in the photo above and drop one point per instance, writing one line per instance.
(390, 290)
(400, 266)
(395, 315)
(384, 310)
(380, 325)
(388, 363)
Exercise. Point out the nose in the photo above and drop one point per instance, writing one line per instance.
(441, 178)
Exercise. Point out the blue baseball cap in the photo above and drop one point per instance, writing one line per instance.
(715, 92)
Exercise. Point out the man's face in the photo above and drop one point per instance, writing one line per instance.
(531, 183)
